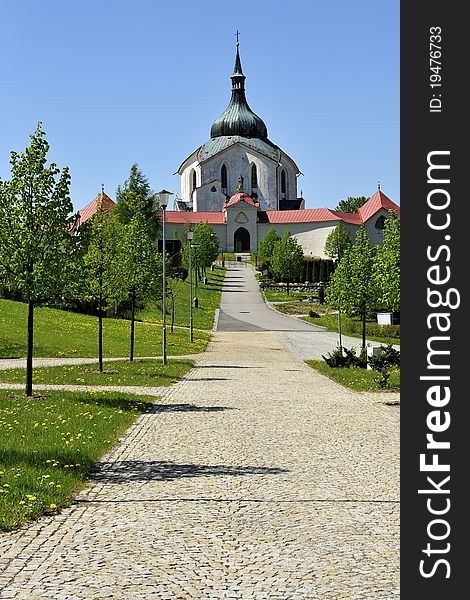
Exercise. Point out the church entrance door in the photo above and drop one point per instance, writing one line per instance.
(241, 240)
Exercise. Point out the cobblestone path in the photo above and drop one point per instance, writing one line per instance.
(254, 477)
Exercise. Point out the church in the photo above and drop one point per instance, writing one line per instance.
(242, 185)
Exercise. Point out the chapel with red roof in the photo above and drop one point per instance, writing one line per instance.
(242, 185)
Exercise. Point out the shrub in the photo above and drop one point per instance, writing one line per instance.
(343, 357)
(384, 363)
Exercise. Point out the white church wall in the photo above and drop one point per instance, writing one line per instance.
(209, 197)
(242, 215)
(238, 160)
(311, 236)
(289, 167)
(376, 236)
(186, 180)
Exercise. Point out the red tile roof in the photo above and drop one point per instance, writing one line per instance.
(241, 197)
(175, 216)
(374, 204)
(309, 215)
(102, 201)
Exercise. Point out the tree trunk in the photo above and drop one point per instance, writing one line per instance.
(288, 288)
(131, 356)
(29, 355)
(172, 312)
(100, 335)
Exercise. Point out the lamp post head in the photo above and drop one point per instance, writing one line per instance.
(190, 235)
(164, 197)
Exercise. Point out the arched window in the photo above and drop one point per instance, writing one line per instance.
(254, 177)
(192, 181)
(223, 178)
(380, 223)
(283, 184)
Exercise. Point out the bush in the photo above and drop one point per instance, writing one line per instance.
(384, 363)
(342, 357)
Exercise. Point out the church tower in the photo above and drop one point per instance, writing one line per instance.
(238, 150)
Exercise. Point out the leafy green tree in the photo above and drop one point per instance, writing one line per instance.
(104, 279)
(142, 265)
(352, 284)
(387, 265)
(287, 262)
(208, 249)
(266, 246)
(337, 242)
(351, 204)
(35, 211)
(137, 186)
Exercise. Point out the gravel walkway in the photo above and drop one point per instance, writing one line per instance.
(20, 363)
(253, 477)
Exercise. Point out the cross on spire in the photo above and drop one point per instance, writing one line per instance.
(378, 186)
(237, 43)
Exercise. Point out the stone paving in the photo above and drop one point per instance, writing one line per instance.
(253, 477)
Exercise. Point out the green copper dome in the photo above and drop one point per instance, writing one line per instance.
(238, 118)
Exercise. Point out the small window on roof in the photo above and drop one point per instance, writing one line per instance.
(213, 188)
(380, 223)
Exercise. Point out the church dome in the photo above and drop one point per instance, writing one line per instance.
(238, 118)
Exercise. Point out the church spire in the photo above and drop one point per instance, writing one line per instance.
(238, 79)
(238, 118)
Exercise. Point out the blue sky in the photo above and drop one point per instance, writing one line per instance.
(117, 82)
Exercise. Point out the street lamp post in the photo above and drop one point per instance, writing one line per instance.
(164, 196)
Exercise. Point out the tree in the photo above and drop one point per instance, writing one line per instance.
(351, 204)
(137, 186)
(103, 277)
(287, 260)
(208, 247)
(142, 262)
(266, 246)
(143, 266)
(387, 265)
(337, 242)
(35, 210)
(352, 284)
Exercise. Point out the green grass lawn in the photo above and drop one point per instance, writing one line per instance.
(139, 372)
(58, 333)
(49, 444)
(208, 299)
(352, 327)
(273, 296)
(360, 380)
(293, 308)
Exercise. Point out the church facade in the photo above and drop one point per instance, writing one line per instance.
(242, 185)
(239, 153)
